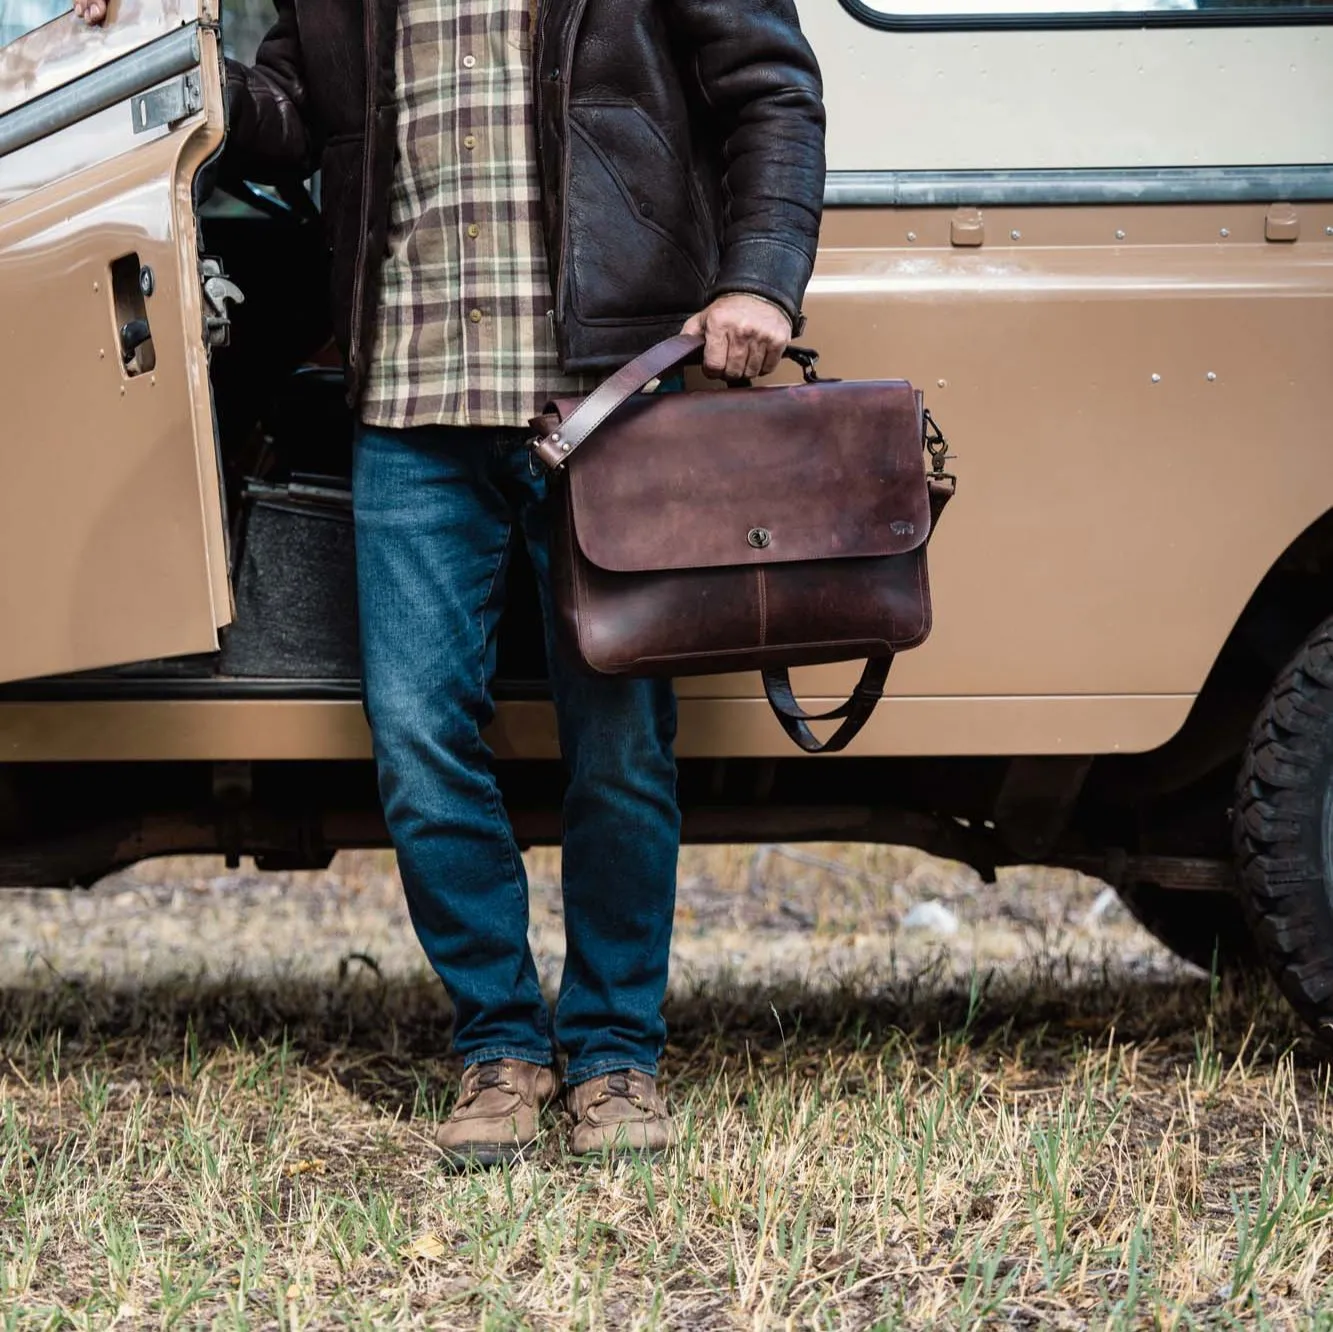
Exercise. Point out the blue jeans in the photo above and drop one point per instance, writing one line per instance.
(437, 509)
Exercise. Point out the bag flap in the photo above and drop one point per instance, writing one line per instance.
(752, 476)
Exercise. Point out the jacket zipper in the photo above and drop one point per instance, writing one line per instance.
(372, 64)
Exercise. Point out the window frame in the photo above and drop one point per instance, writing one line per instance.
(1253, 16)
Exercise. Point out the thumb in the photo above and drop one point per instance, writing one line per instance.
(694, 324)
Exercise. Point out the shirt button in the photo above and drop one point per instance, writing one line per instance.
(469, 61)
(470, 141)
(475, 316)
(473, 230)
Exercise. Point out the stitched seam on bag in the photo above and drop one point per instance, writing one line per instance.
(922, 596)
(763, 608)
(855, 647)
(580, 584)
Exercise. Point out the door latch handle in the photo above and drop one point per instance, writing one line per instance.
(220, 293)
(133, 334)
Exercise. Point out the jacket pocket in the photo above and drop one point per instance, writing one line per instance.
(640, 245)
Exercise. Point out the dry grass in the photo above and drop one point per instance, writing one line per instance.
(217, 1094)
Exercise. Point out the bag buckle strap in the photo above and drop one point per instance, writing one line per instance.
(545, 454)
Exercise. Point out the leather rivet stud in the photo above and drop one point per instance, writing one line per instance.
(555, 438)
(564, 448)
(759, 537)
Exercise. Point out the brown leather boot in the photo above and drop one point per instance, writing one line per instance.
(619, 1112)
(496, 1114)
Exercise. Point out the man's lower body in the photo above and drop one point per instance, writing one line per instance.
(438, 511)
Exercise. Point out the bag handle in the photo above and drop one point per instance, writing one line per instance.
(555, 448)
(854, 713)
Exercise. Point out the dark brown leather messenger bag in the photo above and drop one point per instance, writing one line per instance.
(748, 529)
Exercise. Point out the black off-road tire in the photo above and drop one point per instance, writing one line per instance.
(1207, 928)
(1283, 828)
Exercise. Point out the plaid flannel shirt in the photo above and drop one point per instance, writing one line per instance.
(464, 333)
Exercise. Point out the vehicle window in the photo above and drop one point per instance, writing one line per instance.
(244, 23)
(963, 13)
(18, 17)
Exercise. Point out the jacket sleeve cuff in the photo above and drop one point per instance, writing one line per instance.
(773, 270)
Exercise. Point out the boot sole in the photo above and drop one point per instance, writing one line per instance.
(482, 1156)
(599, 1154)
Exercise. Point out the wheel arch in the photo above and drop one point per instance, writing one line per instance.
(1294, 595)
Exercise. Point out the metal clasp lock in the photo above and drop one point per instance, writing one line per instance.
(938, 448)
(807, 358)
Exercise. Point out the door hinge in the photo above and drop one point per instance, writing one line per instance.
(219, 290)
(167, 103)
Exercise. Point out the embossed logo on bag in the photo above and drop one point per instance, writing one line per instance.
(900, 527)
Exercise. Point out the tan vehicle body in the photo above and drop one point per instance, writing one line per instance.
(1105, 254)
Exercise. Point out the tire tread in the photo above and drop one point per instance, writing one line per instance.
(1277, 829)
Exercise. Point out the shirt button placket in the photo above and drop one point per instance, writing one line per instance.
(474, 314)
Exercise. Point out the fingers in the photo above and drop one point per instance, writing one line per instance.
(753, 355)
(756, 357)
(740, 352)
(744, 336)
(717, 352)
(90, 11)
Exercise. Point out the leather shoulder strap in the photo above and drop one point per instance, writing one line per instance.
(555, 448)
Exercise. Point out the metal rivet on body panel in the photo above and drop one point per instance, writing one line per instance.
(759, 537)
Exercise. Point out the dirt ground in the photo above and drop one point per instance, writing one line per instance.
(907, 1099)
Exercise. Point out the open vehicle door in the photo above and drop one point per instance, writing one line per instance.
(112, 541)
